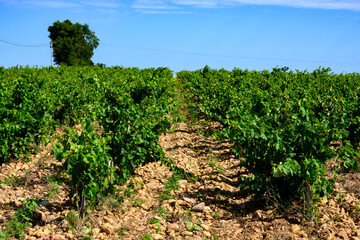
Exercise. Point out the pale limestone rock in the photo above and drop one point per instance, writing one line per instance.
(198, 207)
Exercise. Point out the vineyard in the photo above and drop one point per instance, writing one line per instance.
(124, 153)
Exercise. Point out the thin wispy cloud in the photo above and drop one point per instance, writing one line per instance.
(51, 4)
(162, 12)
(156, 7)
(109, 4)
(103, 4)
(320, 4)
(147, 4)
(200, 4)
(182, 6)
(353, 5)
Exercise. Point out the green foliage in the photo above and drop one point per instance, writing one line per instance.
(130, 191)
(87, 161)
(137, 202)
(73, 44)
(23, 118)
(172, 184)
(135, 119)
(146, 236)
(216, 215)
(15, 228)
(282, 123)
(34, 101)
(23, 218)
(130, 105)
(72, 220)
(13, 181)
(153, 221)
(54, 187)
(214, 164)
(110, 202)
(88, 235)
(162, 212)
(5, 236)
(26, 214)
(192, 227)
(121, 231)
(348, 157)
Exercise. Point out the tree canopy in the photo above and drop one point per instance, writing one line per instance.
(73, 44)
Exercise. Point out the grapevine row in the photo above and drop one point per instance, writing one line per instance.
(122, 112)
(283, 124)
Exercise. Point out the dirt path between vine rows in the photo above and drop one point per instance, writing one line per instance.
(210, 206)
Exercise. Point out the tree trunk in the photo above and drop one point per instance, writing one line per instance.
(82, 206)
(309, 201)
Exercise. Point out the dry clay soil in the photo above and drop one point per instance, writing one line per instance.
(210, 206)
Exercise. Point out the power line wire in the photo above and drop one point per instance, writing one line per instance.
(193, 53)
(230, 56)
(24, 45)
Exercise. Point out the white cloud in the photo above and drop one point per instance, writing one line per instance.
(158, 7)
(152, 11)
(147, 4)
(179, 5)
(321, 4)
(104, 4)
(65, 4)
(51, 4)
(353, 5)
(199, 4)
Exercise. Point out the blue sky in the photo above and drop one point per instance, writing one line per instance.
(189, 34)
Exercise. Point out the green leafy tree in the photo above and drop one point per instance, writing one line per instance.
(73, 44)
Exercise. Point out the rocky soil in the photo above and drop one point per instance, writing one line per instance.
(206, 206)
